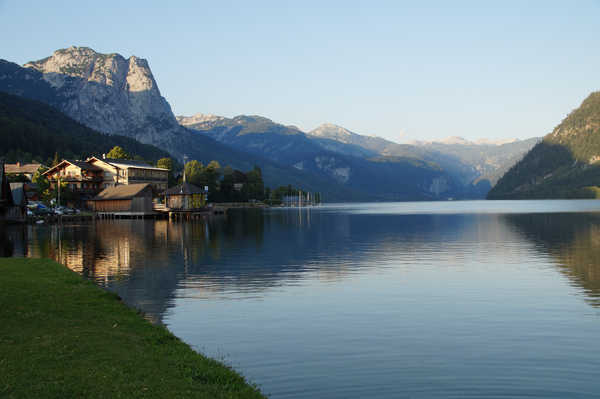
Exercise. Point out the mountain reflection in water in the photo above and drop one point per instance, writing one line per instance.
(573, 240)
(471, 299)
(146, 261)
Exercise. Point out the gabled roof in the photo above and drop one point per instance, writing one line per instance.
(122, 192)
(131, 163)
(96, 159)
(16, 168)
(184, 189)
(83, 165)
(128, 162)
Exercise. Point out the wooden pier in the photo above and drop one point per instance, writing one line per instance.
(130, 215)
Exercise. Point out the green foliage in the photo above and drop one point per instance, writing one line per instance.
(43, 185)
(167, 163)
(17, 178)
(561, 165)
(254, 187)
(117, 152)
(193, 172)
(211, 175)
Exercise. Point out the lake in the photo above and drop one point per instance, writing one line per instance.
(481, 299)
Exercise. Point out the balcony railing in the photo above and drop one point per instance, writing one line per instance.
(148, 178)
(78, 178)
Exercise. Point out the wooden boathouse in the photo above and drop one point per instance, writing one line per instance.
(124, 200)
(185, 201)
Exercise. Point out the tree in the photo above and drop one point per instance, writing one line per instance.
(255, 187)
(43, 185)
(56, 160)
(20, 178)
(118, 152)
(193, 172)
(167, 163)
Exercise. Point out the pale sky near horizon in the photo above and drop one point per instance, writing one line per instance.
(400, 70)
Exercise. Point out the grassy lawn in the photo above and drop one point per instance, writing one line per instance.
(63, 337)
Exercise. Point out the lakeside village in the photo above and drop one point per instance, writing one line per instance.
(118, 185)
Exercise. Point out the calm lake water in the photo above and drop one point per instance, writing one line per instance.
(480, 299)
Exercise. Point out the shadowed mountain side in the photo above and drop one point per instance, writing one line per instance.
(573, 240)
(39, 130)
(549, 170)
(564, 165)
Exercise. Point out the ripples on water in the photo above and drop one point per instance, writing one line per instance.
(446, 299)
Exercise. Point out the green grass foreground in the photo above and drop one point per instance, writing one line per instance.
(62, 337)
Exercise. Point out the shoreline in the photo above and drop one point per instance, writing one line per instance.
(63, 336)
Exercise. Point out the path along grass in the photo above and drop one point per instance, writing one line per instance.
(61, 337)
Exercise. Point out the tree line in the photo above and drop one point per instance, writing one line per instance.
(224, 184)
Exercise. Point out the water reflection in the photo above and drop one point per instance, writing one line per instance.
(251, 252)
(573, 240)
(389, 302)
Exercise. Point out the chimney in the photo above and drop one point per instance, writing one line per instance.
(103, 156)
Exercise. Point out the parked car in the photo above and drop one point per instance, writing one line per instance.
(39, 209)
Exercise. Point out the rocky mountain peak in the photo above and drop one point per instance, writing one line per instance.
(198, 118)
(108, 92)
(329, 130)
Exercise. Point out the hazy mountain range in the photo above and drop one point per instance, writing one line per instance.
(467, 169)
(114, 95)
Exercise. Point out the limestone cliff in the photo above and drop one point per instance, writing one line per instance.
(109, 93)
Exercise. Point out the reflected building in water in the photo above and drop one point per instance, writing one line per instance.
(251, 252)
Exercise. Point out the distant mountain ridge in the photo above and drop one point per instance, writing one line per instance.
(565, 164)
(115, 95)
(383, 178)
(473, 166)
(118, 95)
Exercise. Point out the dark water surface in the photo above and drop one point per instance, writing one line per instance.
(477, 299)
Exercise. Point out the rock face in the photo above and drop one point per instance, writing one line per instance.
(340, 134)
(108, 93)
(199, 120)
(115, 95)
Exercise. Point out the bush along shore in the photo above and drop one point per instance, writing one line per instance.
(61, 337)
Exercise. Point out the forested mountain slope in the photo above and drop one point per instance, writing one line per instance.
(30, 129)
(565, 164)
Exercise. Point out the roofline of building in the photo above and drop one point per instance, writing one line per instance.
(119, 165)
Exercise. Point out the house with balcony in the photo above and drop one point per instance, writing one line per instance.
(80, 177)
(124, 172)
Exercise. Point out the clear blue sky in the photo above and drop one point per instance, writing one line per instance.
(400, 70)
